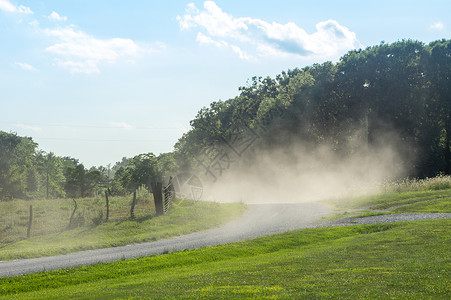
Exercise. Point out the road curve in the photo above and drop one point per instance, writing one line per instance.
(258, 220)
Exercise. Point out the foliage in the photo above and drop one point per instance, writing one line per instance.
(141, 170)
(80, 182)
(398, 92)
(50, 168)
(17, 166)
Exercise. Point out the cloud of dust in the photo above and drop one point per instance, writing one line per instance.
(295, 173)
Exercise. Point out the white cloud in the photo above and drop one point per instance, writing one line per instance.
(250, 38)
(26, 66)
(29, 127)
(123, 125)
(25, 10)
(437, 26)
(202, 39)
(82, 53)
(241, 54)
(54, 16)
(7, 6)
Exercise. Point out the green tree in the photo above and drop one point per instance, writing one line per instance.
(51, 168)
(397, 93)
(80, 182)
(440, 108)
(17, 161)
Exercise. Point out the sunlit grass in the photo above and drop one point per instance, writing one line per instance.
(51, 235)
(432, 195)
(402, 260)
(53, 215)
(439, 205)
(392, 200)
(441, 182)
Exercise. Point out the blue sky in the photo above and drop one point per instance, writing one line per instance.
(100, 80)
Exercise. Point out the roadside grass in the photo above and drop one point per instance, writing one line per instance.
(433, 206)
(388, 201)
(430, 195)
(398, 260)
(441, 182)
(51, 236)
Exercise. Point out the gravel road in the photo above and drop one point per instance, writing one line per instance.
(258, 220)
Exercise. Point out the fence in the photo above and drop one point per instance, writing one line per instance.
(169, 195)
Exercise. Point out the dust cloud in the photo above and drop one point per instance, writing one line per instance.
(297, 173)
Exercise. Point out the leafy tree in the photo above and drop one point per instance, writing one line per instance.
(402, 88)
(16, 166)
(50, 167)
(80, 182)
(440, 106)
(141, 170)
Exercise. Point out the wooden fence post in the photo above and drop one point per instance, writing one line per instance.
(30, 220)
(107, 207)
(72, 215)
(132, 210)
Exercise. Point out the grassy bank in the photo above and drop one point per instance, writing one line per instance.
(431, 195)
(51, 234)
(403, 260)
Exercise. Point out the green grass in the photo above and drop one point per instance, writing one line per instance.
(400, 193)
(370, 214)
(51, 236)
(409, 260)
(441, 182)
(393, 200)
(433, 206)
(431, 195)
(53, 216)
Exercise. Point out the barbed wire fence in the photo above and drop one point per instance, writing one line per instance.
(168, 196)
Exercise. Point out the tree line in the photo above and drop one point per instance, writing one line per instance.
(403, 88)
(28, 172)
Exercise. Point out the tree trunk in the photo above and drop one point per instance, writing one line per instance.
(157, 190)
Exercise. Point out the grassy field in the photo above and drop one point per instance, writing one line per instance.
(51, 235)
(409, 196)
(409, 260)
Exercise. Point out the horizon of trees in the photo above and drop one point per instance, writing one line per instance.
(403, 88)
(399, 92)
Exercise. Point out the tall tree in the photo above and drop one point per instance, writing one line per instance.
(441, 92)
(51, 168)
(17, 163)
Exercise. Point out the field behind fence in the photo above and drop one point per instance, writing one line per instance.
(57, 215)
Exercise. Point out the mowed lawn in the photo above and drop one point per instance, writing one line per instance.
(409, 260)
